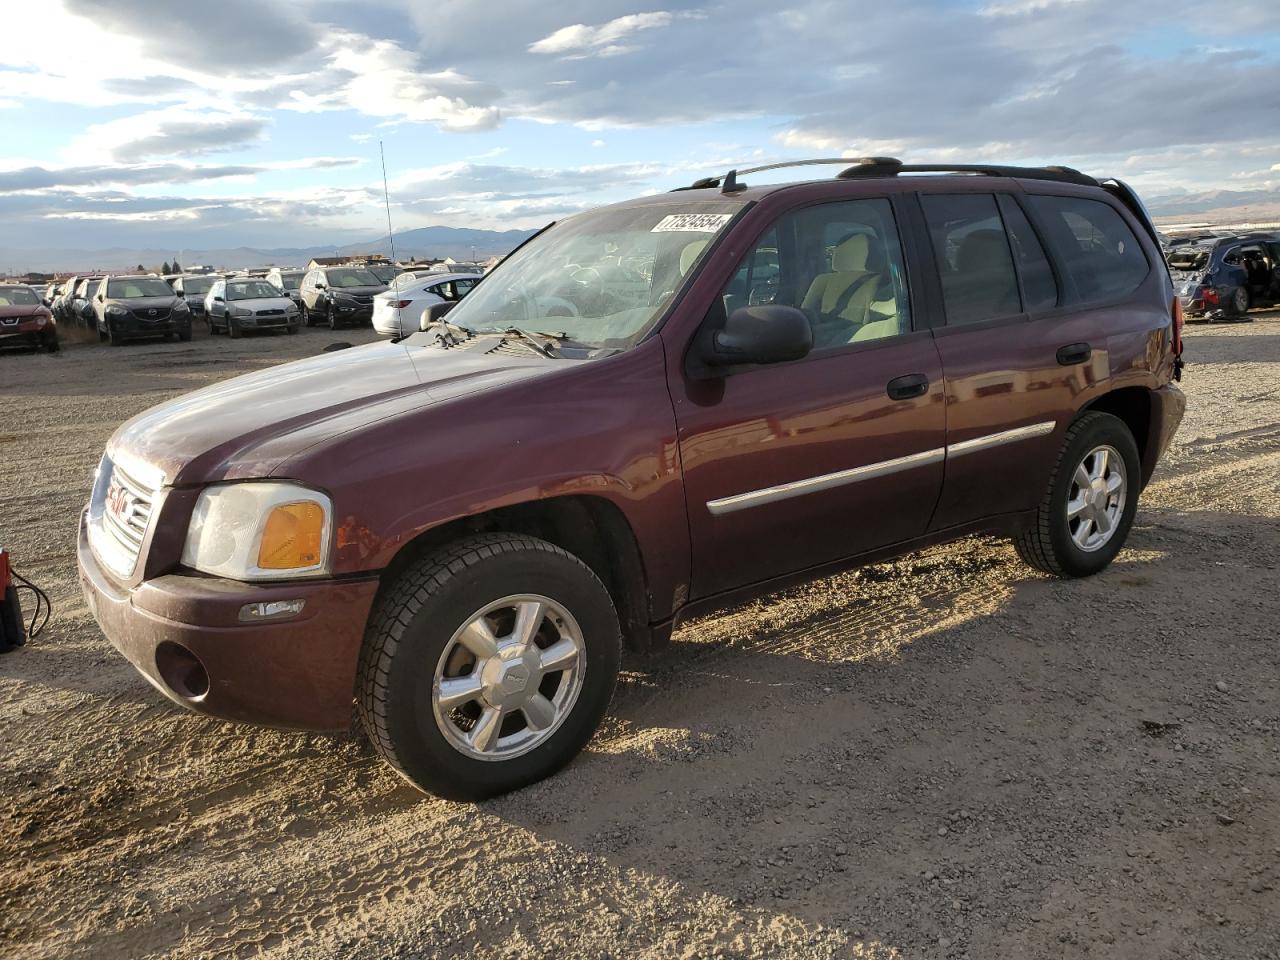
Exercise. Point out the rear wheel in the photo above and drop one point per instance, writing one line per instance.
(1084, 518)
(488, 665)
(1240, 303)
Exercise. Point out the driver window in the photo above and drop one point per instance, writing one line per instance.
(840, 263)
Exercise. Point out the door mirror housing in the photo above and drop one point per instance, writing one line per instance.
(319, 285)
(434, 313)
(766, 333)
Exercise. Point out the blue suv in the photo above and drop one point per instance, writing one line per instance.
(1221, 278)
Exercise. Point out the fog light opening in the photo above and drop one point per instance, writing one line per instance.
(182, 670)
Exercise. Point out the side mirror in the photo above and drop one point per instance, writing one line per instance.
(182, 296)
(319, 286)
(433, 313)
(220, 300)
(761, 334)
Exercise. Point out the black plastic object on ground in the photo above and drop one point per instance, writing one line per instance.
(14, 629)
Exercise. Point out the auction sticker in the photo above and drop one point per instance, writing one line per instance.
(692, 223)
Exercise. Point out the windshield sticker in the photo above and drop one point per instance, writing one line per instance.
(692, 223)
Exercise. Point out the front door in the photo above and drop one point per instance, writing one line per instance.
(792, 465)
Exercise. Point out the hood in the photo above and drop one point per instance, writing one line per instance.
(248, 426)
(357, 291)
(24, 310)
(262, 303)
(135, 304)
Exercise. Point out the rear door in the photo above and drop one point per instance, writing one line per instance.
(788, 466)
(1036, 289)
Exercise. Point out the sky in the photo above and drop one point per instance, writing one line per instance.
(127, 122)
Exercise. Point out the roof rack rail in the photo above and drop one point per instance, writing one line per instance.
(868, 167)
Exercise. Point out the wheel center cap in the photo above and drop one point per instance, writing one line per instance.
(1098, 492)
(507, 679)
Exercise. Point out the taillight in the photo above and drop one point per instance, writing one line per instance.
(399, 304)
(1210, 295)
(1177, 327)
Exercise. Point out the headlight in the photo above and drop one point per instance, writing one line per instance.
(259, 531)
(115, 310)
(241, 312)
(291, 307)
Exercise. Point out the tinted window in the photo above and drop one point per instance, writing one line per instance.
(138, 287)
(974, 261)
(351, 277)
(1100, 254)
(1039, 288)
(841, 263)
(18, 297)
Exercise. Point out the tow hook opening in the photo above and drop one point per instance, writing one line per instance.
(182, 671)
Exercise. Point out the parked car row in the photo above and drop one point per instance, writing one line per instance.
(1223, 277)
(139, 306)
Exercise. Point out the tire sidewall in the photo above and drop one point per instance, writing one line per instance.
(1101, 429)
(422, 751)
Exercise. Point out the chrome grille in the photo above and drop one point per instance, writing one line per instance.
(123, 515)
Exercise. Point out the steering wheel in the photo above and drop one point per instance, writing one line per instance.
(549, 304)
(580, 275)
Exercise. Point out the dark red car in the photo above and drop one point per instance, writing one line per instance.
(25, 320)
(647, 411)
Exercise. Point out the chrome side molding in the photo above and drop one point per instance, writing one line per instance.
(826, 481)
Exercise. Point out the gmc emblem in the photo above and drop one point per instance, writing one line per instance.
(118, 502)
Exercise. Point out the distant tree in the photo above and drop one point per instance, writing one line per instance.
(177, 267)
(141, 269)
(164, 267)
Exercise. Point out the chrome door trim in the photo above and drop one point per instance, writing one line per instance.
(798, 488)
(1003, 437)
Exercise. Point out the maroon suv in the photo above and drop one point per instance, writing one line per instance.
(25, 320)
(647, 411)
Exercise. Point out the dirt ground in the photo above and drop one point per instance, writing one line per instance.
(944, 756)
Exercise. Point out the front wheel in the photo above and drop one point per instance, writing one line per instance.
(488, 665)
(233, 328)
(332, 317)
(1085, 517)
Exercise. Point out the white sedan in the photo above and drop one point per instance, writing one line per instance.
(396, 312)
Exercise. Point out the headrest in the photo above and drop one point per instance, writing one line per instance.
(983, 250)
(851, 256)
(690, 253)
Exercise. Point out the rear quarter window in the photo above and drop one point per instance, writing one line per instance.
(1102, 258)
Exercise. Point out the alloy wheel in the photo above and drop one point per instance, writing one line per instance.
(508, 678)
(1097, 497)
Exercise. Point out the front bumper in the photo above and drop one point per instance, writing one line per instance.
(28, 335)
(131, 326)
(297, 673)
(268, 323)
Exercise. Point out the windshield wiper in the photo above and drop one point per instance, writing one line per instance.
(543, 346)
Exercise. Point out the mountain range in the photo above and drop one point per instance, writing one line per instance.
(461, 243)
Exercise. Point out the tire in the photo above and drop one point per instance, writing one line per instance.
(1048, 544)
(331, 317)
(305, 314)
(185, 334)
(417, 621)
(113, 338)
(233, 329)
(1240, 303)
(291, 328)
(52, 345)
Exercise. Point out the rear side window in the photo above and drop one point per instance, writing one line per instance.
(1039, 288)
(1102, 258)
(974, 260)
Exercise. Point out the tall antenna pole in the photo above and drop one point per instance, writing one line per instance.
(386, 198)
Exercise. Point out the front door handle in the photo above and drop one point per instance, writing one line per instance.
(906, 387)
(1074, 353)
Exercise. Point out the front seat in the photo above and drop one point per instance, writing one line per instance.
(983, 283)
(847, 291)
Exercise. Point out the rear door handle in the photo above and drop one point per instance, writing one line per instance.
(1074, 353)
(906, 387)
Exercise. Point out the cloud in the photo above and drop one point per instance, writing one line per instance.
(36, 178)
(580, 40)
(171, 132)
(239, 35)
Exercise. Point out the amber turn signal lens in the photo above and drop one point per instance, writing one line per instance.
(291, 538)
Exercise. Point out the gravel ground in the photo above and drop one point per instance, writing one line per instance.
(946, 756)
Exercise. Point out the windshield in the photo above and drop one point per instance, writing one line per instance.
(1188, 258)
(352, 277)
(601, 278)
(384, 274)
(18, 297)
(290, 281)
(251, 290)
(197, 284)
(130, 287)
